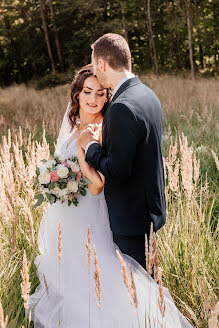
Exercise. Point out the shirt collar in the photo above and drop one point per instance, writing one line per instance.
(130, 75)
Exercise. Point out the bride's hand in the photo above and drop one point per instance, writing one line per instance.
(97, 130)
(91, 133)
(99, 126)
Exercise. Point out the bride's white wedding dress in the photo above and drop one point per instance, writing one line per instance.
(67, 302)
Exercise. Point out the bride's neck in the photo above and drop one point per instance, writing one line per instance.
(90, 118)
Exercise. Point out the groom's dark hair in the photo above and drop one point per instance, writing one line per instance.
(114, 49)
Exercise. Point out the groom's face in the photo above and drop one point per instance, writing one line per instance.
(99, 72)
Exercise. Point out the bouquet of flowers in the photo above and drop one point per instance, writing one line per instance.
(60, 179)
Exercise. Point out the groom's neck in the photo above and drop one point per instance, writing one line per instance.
(117, 77)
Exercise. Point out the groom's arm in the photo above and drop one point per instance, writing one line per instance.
(123, 135)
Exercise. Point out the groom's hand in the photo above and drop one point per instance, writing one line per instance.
(91, 133)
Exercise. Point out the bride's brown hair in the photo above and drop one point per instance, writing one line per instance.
(77, 86)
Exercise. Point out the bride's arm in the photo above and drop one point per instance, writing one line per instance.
(90, 173)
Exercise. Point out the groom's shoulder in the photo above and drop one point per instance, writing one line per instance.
(137, 89)
(137, 94)
(146, 90)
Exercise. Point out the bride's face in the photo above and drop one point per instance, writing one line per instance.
(92, 97)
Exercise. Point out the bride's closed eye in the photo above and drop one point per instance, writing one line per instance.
(99, 94)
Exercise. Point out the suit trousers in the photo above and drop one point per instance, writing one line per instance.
(133, 246)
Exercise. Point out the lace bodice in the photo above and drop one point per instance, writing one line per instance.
(69, 148)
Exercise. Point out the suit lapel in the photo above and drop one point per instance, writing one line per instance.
(127, 84)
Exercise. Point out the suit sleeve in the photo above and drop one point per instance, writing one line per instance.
(122, 138)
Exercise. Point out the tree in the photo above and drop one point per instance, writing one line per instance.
(42, 11)
(38, 36)
(123, 20)
(151, 37)
(190, 36)
(58, 48)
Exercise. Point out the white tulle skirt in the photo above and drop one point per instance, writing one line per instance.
(70, 300)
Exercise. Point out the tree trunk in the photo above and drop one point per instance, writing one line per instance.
(189, 25)
(24, 15)
(8, 29)
(58, 48)
(215, 37)
(151, 37)
(170, 36)
(14, 48)
(105, 11)
(42, 10)
(124, 25)
(178, 61)
(201, 56)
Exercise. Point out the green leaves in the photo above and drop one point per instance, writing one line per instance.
(51, 185)
(169, 28)
(62, 185)
(83, 192)
(73, 175)
(51, 198)
(37, 171)
(75, 201)
(40, 200)
(85, 180)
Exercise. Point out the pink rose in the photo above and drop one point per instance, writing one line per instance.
(65, 164)
(78, 178)
(54, 176)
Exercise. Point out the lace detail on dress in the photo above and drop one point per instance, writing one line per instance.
(69, 148)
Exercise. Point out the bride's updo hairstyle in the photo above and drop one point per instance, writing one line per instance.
(77, 86)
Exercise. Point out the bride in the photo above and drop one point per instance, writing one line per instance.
(66, 295)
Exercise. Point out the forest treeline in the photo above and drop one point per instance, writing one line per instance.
(41, 37)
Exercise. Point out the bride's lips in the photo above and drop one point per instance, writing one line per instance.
(91, 105)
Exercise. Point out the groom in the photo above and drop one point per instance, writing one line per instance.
(130, 157)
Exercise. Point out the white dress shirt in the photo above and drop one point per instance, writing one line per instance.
(130, 75)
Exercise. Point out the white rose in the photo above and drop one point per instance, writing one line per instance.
(44, 177)
(72, 186)
(49, 164)
(62, 194)
(62, 171)
(55, 191)
(43, 168)
(75, 167)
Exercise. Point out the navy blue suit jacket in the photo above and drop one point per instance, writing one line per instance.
(131, 160)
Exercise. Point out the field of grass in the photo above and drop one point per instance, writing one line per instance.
(188, 245)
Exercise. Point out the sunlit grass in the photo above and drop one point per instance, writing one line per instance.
(188, 248)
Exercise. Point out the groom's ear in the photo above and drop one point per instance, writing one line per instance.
(102, 64)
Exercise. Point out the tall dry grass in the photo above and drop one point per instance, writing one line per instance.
(18, 220)
(183, 95)
(31, 108)
(188, 247)
(182, 100)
